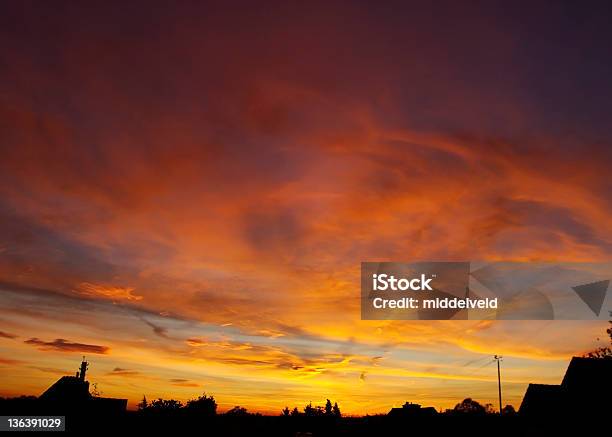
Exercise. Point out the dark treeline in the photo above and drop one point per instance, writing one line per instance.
(170, 415)
(206, 406)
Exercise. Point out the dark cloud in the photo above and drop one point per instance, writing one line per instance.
(554, 220)
(118, 371)
(62, 345)
(51, 303)
(10, 362)
(245, 361)
(157, 329)
(183, 383)
(7, 335)
(38, 242)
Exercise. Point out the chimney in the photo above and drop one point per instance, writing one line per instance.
(84, 365)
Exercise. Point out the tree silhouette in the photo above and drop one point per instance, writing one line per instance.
(489, 409)
(603, 352)
(508, 410)
(203, 405)
(285, 412)
(309, 410)
(469, 406)
(165, 405)
(95, 392)
(336, 410)
(237, 411)
(142, 405)
(328, 408)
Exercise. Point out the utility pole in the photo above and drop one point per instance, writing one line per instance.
(498, 358)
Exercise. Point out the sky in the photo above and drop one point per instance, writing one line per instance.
(187, 190)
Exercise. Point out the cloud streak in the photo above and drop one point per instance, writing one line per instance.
(7, 335)
(118, 371)
(61, 345)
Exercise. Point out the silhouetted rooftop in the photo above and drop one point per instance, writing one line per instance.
(541, 399)
(582, 391)
(73, 392)
(588, 373)
(67, 389)
(412, 410)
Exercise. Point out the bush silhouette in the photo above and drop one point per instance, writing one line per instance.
(508, 410)
(471, 407)
(237, 411)
(164, 405)
(203, 405)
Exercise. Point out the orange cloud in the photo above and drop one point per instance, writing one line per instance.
(108, 291)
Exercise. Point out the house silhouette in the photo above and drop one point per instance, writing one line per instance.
(412, 410)
(584, 391)
(71, 393)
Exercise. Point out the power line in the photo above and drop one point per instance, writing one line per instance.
(476, 369)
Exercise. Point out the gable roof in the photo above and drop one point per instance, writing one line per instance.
(588, 374)
(541, 398)
(69, 389)
(583, 391)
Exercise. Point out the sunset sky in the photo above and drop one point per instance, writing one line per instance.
(187, 190)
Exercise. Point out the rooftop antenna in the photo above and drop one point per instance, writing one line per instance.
(498, 358)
